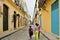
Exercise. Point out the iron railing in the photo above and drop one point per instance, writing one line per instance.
(41, 4)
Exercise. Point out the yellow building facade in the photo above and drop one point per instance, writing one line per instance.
(46, 16)
(11, 16)
(48, 20)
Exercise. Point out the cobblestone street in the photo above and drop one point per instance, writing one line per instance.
(22, 35)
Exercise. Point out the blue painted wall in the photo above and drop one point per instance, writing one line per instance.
(55, 18)
(40, 20)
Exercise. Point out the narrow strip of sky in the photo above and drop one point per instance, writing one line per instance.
(30, 6)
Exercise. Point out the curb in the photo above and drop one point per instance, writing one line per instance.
(11, 33)
(44, 35)
(48, 36)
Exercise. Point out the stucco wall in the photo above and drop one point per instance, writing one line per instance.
(46, 18)
(11, 8)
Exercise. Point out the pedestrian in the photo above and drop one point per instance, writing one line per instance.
(30, 32)
(36, 31)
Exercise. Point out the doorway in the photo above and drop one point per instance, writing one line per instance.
(55, 18)
(18, 19)
(5, 18)
(14, 16)
(41, 20)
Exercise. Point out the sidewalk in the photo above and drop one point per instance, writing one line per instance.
(7, 33)
(22, 35)
(48, 36)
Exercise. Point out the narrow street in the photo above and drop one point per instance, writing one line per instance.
(16, 16)
(22, 35)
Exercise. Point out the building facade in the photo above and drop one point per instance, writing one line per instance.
(48, 16)
(12, 15)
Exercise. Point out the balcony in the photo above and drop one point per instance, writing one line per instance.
(22, 8)
(41, 4)
(18, 3)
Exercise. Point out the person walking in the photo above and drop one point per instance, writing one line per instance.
(30, 32)
(36, 31)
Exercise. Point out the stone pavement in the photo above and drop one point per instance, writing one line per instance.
(22, 35)
(48, 36)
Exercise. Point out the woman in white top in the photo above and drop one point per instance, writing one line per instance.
(36, 31)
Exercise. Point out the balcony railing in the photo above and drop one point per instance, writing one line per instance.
(41, 4)
(17, 2)
(22, 7)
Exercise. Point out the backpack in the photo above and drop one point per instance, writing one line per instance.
(38, 28)
(31, 31)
